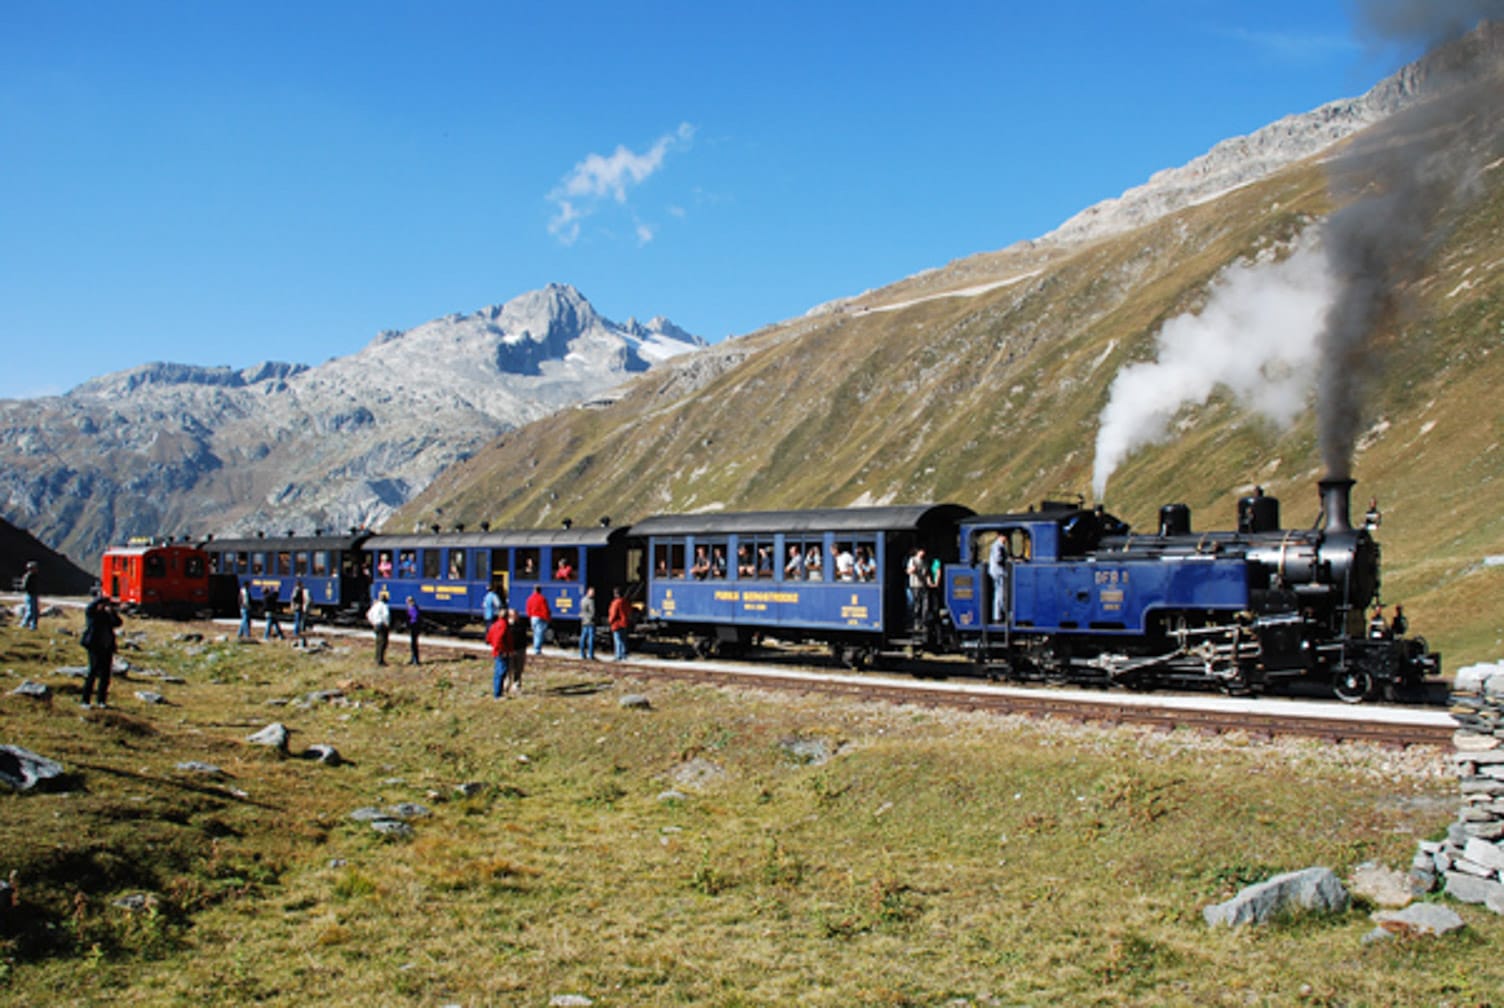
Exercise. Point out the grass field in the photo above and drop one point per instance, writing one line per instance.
(720, 848)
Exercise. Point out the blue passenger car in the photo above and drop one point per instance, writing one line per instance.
(448, 573)
(832, 575)
(328, 565)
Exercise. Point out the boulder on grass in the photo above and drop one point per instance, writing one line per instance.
(1312, 889)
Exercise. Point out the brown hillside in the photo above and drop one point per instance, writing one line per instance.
(993, 399)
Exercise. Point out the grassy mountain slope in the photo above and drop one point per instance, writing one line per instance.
(993, 399)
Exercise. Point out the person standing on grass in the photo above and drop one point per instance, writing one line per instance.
(499, 636)
(618, 618)
(519, 651)
(29, 590)
(587, 625)
(100, 621)
(380, 618)
(538, 614)
(414, 618)
(270, 601)
(244, 633)
(300, 601)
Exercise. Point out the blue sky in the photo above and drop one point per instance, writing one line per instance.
(230, 182)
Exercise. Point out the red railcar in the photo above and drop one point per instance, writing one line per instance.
(171, 579)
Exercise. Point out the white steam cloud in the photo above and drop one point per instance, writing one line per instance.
(1256, 338)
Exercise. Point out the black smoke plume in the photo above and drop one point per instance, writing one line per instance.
(1394, 187)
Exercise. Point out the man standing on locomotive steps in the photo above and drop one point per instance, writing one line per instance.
(997, 567)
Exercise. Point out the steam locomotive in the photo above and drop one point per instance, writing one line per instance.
(1058, 592)
(1074, 594)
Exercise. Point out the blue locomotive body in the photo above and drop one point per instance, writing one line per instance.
(1065, 592)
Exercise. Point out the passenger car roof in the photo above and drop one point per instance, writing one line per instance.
(894, 518)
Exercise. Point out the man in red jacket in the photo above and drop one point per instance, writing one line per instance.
(618, 617)
(539, 614)
(499, 636)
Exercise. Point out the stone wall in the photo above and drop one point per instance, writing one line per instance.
(1469, 863)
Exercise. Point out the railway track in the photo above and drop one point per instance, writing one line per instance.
(1331, 721)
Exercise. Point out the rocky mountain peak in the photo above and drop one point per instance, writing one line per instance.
(287, 445)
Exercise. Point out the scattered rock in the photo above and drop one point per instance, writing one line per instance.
(24, 770)
(207, 769)
(698, 773)
(469, 789)
(323, 753)
(673, 796)
(635, 701)
(273, 735)
(1313, 889)
(569, 1001)
(409, 810)
(1381, 886)
(1471, 889)
(188, 638)
(149, 697)
(34, 690)
(808, 752)
(394, 828)
(135, 902)
(1419, 919)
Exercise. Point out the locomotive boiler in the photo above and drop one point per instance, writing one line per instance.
(1070, 593)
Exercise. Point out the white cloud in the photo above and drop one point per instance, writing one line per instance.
(601, 178)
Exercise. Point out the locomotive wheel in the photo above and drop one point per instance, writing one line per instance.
(1352, 685)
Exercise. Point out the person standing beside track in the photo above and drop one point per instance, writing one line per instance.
(491, 605)
(499, 636)
(538, 614)
(380, 618)
(414, 621)
(518, 657)
(270, 601)
(587, 624)
(244, 632)
(618, 618)
(300, 602)
(29, 590)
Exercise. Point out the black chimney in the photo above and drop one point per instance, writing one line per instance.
(1336, 504)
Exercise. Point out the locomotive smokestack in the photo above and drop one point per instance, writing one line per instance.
(1336, 504)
